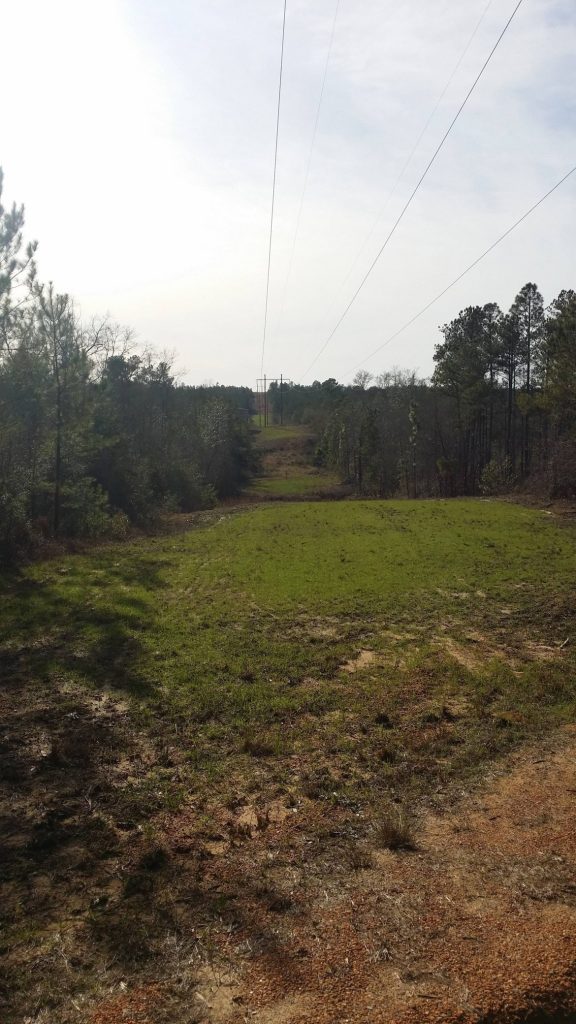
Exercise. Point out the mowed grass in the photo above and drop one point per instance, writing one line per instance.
(275, 432)
(226, 623)
(365, 555)
(287, 470)
(295, 484)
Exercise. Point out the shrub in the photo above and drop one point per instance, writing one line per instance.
(16, 533)
(85, 511)
(118, 526)
(394, 832)
(497, 476)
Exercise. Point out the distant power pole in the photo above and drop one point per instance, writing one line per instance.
(261, 393)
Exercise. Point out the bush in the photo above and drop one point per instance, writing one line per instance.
(16, 533)
(85, 511)
(319, 459)
(209, 497)
(118, 526)
(497, 476)
(564, 469)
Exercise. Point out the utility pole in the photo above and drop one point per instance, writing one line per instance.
(263, 408)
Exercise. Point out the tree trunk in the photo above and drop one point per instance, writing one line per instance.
(58, 458)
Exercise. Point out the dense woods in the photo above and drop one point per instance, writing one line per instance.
(94, 436)
(499, 411)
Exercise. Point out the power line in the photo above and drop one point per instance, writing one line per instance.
(273, 190)
(464, 272)
(416, 188)
(410, 156)
(310, 154)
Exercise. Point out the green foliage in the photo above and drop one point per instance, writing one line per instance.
(93, 438)
(118, 526)
(500, 409)
(560, 356)
(16, 534)
(497, 476)
(85, 509)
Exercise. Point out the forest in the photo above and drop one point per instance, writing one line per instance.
(95, 436)
(498, 414)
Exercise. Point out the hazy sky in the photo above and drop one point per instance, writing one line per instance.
(140, 136)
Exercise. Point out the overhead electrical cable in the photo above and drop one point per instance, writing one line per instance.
(464, 272)
(410, 156)
(310, 155)
(416, 188)
(273, 190)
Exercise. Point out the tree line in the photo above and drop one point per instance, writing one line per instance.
(93, 435)
(499, 411)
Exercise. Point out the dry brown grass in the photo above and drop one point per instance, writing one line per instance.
(395, 832)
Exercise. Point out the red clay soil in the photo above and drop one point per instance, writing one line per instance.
(478, 925)
(134, 1008)
(475, 926)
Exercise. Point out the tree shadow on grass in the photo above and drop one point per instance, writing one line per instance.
(71, 644)
(78, 776)
(85, 622)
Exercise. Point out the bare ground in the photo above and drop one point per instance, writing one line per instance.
(477, 924)
(282, 914)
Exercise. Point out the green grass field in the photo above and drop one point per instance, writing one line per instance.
(226, 622)
(295, 484)
(275, 432)
(339, 658)
(287, 470)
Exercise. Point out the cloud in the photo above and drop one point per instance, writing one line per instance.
(141, 140)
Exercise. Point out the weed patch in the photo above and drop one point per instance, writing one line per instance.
(395, 832)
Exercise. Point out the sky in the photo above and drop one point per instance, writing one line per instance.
(140, 137)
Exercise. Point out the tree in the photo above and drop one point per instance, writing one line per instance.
(15, 260)
(492, 343)
(464, 363)
(559, 355)
(362, 379)
(559, 393)
(71, 353)
(527, 311)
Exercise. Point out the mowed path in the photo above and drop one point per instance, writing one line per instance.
(289, 468)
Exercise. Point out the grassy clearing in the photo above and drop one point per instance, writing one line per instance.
(295, 484)
(287, 466)
(275, 432)
(357, 657)
(224, 623)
